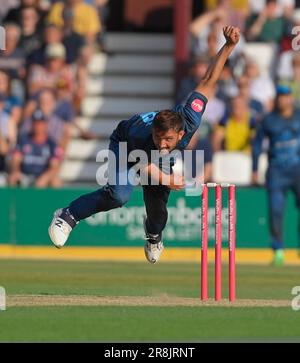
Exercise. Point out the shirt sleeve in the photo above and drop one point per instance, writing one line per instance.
(192, 111)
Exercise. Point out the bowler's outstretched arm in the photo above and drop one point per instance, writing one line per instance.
(208, 83)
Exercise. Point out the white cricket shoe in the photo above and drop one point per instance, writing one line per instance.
(61, 227)
(153, 246)
(153, 251)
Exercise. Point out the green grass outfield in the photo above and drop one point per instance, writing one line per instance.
(143, 323)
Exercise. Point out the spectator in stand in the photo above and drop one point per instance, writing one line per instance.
(256, 107)
(196, 73)
(7, 137)
(211, 49)
(30, 36)
(70, 79)
(102, 7)
(59, 130)
(267, 26)
(86, 21)
(262, 88)
(54, 72)
(14, 15)
(212, 22)
(12, 59)
(41, 6)
(212, 45)
(51, 35)
(237, 10)
(236, 130)
(12, 105)
(285, 7)
(213, 114)
(293, 83)
(226, 85)
(36, 159)
(73, 42)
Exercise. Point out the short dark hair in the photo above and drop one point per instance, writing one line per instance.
(166, 120)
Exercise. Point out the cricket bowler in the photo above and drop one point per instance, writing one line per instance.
(163, 131)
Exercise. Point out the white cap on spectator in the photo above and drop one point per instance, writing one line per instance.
(56, 50)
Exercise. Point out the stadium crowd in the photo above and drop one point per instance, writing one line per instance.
(43, 74)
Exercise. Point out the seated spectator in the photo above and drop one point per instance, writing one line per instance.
(102, 7)
(212, 22)
(256, 107)
(226, 85)
(12, 59)
(54, 71)
(293, 83)
(189, 83)
(56, 74)
(73, 42)
(59, 129)
(262, 88)
(235, 131)
(14, 15)
(12, 105)
(237, 10)
(86, 21)
(285, 7)
(30, 37)
(267, 26)
(78, 49)
(213, 114)
(212, 45)
(36, 159)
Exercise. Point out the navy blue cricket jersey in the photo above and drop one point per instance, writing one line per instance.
(284, 140)
(36, 157)
(137, 131)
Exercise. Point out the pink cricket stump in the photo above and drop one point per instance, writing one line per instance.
(231, 241)
(218, 245)
(204, 238)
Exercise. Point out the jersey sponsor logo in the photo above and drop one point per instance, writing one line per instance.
(198, 105)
